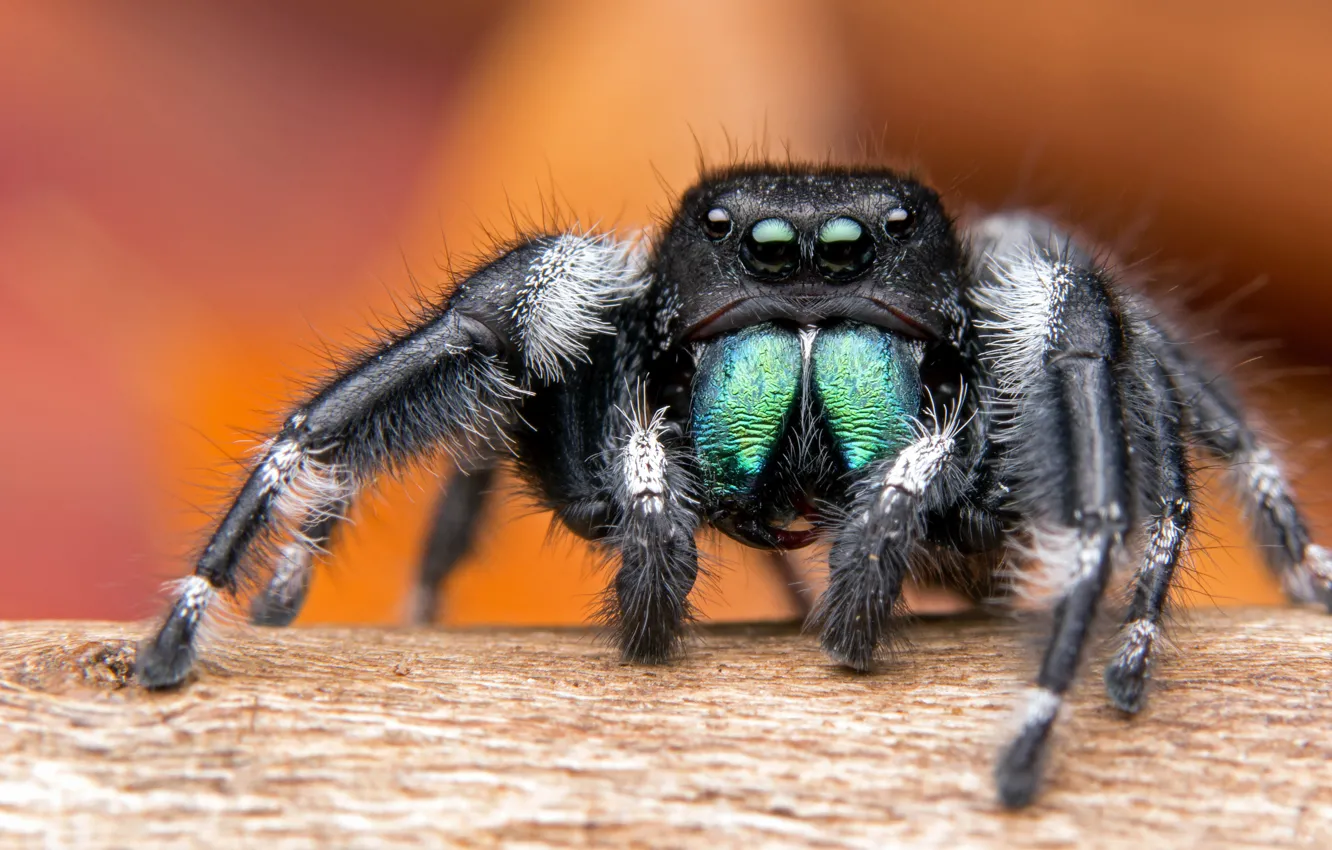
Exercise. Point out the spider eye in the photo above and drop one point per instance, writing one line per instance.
(899, 222)
(844, 249)
(717, 224)
(770, 248)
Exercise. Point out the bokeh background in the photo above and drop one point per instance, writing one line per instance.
(196, 198)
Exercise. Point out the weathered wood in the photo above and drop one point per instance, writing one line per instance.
(407, 738)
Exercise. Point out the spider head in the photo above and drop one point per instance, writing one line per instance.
(808, 246)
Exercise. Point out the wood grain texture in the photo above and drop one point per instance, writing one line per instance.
(369, 738)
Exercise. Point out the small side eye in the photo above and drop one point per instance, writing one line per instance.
(899, 222)
(770, 249)
(844, 249)
(717, 224)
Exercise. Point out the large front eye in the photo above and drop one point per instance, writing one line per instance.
(844, 249)
(770, 248)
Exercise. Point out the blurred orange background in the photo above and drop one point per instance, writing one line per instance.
(196, 198)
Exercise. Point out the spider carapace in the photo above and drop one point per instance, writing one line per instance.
(798, 353)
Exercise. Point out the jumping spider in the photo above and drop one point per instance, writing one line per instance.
(802, 353)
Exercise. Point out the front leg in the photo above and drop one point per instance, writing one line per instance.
(452, 380)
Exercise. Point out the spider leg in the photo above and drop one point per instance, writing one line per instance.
(452, 533)
(453, 379)
(1214, 418)
(1164, 474)
(647, 605)
(1053, 341)
(871, 552)
(284, 595)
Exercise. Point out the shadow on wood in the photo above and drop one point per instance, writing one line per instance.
(398, 738)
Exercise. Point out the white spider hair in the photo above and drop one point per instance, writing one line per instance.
(1024, 293)
(567, 290)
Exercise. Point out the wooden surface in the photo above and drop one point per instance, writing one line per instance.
(521, 738)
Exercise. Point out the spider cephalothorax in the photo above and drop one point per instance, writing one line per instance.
(803, 353)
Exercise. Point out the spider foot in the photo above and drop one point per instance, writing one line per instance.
(847, 640)
(1318, 564)
(266, 610)
(165, 660)
(649, 609)
(855, 612)
(1310, 580)
(282, 599)
(1017, 775)
(1126, 674)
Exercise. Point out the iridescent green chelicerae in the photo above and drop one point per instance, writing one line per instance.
(868, 390)
(747, 386)
(858, 383)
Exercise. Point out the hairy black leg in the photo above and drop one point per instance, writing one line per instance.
(1053, 340)
(647, 606)
(1092, 524)
(282, 598)
(348, 431)
(453, 379)
(1164, 474)
(452, 532)
(1215, 418)
(871, 552)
